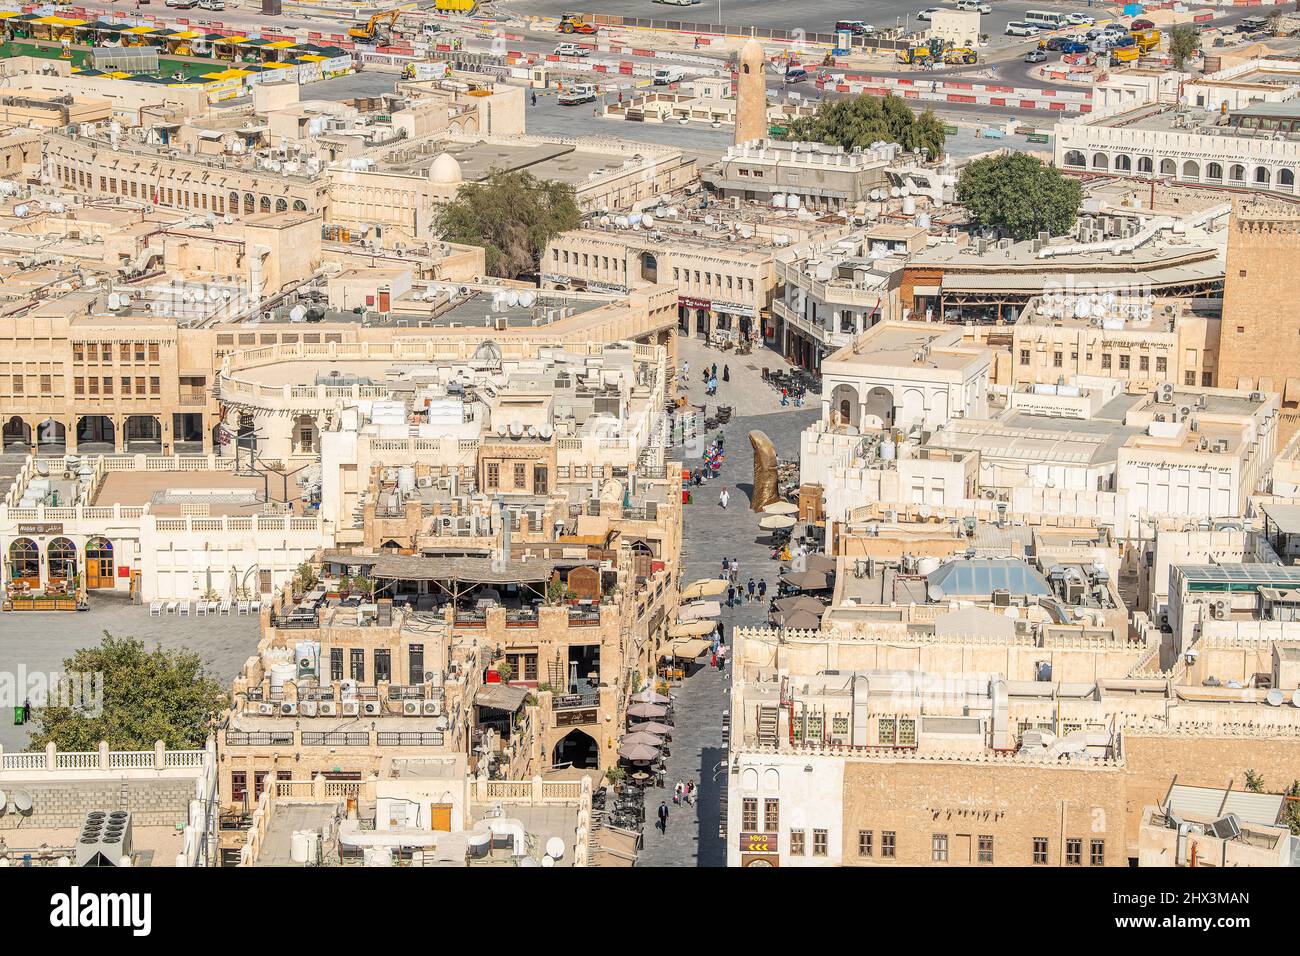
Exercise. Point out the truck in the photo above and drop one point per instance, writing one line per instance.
(959, 55)
(576, 23)
(1146, 40)
(667, 75)
(576, 95)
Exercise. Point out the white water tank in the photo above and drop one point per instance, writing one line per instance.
(927, 565)
(280, 673)
(406, 479)
(909, 206)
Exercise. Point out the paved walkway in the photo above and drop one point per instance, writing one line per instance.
(709, 534)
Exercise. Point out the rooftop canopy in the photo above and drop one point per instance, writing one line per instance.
(981, 577)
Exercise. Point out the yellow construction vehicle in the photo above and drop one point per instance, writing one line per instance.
(371, 29)
(916, 55)
(1146, 40)
(1124, 54)
(960, 55)
(576, 23)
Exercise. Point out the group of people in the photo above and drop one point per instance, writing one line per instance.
(793, 393)
(711, 466)
(684, 793)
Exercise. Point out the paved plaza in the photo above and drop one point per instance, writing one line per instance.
(38, 642)
(710, 533)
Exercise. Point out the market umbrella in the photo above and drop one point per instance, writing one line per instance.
(648, 696)
(819, 562)
(638, 753)
(798, 619)
(806, 580)
(692, 629)
(776, 522)
(781, 508)
(640, 737)
(699, 610)
(800, 602)
(649, 711)
(651, 727)
(707, 587)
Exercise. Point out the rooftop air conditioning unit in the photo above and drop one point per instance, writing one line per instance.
(431, 708)
(308, 708)
(266, 709)
(328, 708)
(410, 708)
(370, 708)
(351, 708)
(288, 708)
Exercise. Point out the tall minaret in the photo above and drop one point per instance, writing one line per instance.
(751, 94)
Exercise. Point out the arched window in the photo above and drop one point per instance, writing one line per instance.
(24, 561)
(1075, 158)
(264, 205)
(281, 205)
(1286, 177)
(61, 558)
(1191, 170)
(1144, 164)
(299, 206)
(250, 202)
(234, 203)
(1262, 176)
(1100, 161)
(1123, 163)
(1237, 173)
(1168, 167)
(1213, 171)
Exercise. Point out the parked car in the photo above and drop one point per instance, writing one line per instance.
(213, 6)
(676, 3)
(181, 4)
(858, 28)
(666, 75)
(1071, 46)
(570, 49)
(975, 5)
(1018, 28)
(1053, 44)
(927, 13)
(1080, 19)
(1141, 25)
(1035, 56)
(1116, 28)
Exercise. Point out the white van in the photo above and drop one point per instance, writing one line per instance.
(665, 75)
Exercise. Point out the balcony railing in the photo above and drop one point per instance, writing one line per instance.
(574, 701)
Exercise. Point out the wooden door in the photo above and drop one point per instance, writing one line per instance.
(440, 817)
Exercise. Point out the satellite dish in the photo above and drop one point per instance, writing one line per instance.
(297, 313)
(1275, 697)
(555, 848)
(22, 801)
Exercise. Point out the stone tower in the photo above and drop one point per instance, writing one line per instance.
(751, 93)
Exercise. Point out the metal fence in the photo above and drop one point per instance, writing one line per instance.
(743, 30)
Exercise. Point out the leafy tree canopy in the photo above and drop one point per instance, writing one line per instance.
(148, 696)
(512, 215)
(1184, 40)
(1019, 195)
(859, 121)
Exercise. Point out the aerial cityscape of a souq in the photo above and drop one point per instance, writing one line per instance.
(645, 435)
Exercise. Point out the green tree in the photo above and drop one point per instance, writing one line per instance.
(512, 215)
(857, 122)
(1019, 195)
(148, 696)
(1254, 782)
(1184, 40)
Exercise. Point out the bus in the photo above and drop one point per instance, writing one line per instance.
(1045, 19)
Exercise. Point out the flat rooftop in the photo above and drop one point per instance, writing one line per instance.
(174, 493)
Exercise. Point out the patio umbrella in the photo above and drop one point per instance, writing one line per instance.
(819, 562)
(798, 619)
(651, 727)
(800, 602)
(640, 737)
(648, 696)
(776, 522)
(781, 508)
(699, 610)
(807, 580)
(708, 587)
(692, 629)
(638, 753)
(649, 711)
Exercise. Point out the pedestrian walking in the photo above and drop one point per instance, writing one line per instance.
(715, 370)
(663, 817)
(690, 792)
(677, 793)
(713, 661)
(724, 497)
(762, 588)
(686, 368)
(731, 596)
(785, 396)
(735, 570)
(751, 587)
(726, 565)
(726, 373)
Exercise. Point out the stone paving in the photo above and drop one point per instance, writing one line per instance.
(710, 533)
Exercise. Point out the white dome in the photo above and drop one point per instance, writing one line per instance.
(445, 169)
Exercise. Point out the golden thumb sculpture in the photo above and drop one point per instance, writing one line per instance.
(764, 492)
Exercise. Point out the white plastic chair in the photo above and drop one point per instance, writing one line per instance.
(155, 608)
(184, 609)
(172, 606)
(200, 608)
(225, 606)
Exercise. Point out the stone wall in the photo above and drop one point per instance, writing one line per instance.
(151, 802)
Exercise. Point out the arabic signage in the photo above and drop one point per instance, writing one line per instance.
(693, 303)
(39, 529)
(758, 843)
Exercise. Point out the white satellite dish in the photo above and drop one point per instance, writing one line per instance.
(1275, 697)
(114, 302)
(22, 801)
(1295, 698)
(297, 313)
(555, 848)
